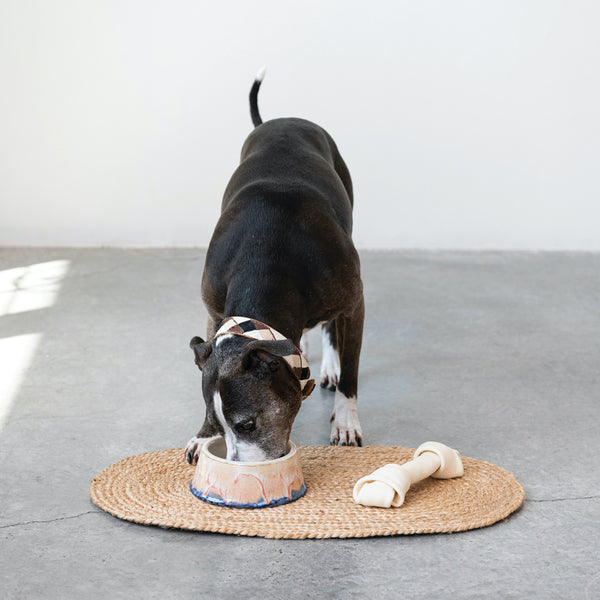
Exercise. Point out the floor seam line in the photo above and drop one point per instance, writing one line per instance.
(20, 523)
(563, 499)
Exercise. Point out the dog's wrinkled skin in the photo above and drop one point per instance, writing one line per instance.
(251, 396)
(282, 254)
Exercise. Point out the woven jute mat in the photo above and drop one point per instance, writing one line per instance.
(153, 489)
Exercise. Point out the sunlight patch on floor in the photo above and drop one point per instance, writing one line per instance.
(32, 287)
(16, 354)
(22, 290)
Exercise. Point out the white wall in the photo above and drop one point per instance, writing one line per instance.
(464, 124)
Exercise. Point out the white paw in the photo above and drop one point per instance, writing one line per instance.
(345, 426)
(192, 450)
(330, 364)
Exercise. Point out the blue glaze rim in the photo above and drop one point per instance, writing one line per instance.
(218, 501)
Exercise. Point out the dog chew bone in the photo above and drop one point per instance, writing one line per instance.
(388, 485)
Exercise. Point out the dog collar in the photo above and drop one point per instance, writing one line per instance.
(251, 328)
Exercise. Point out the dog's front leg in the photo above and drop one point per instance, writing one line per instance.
(209, 429)
(192, 450)
(211, 328)
(345, 428)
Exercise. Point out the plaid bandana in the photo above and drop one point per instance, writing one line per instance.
(256, 330)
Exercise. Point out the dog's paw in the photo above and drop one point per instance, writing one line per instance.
(345, 426)
(330, 365)
(329, 380)
(192, 450)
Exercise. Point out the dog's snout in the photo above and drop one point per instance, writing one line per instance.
(242, 451)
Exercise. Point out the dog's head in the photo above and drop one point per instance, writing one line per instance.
(252, 395)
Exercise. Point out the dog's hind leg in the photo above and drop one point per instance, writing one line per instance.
(330, 362)
(304, 344)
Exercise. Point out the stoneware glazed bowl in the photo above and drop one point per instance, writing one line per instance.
(246, 484)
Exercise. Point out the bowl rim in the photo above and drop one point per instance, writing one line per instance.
(205, 451)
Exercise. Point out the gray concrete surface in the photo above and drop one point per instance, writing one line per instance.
(497, 354)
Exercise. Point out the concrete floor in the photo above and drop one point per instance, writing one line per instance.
(496, 354)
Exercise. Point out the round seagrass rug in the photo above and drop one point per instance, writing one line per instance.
(153, 489)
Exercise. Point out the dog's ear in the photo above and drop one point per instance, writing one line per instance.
(264, 356)
(201, 350)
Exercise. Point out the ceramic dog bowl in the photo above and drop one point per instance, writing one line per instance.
(246, 484)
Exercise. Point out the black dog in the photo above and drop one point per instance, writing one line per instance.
(282, 261)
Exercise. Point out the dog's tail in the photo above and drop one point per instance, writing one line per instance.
(254, 97)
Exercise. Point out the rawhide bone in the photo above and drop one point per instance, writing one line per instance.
(388, 485)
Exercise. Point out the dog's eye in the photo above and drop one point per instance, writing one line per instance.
(246, 426)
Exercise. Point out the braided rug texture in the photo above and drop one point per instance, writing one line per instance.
(153, 489)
